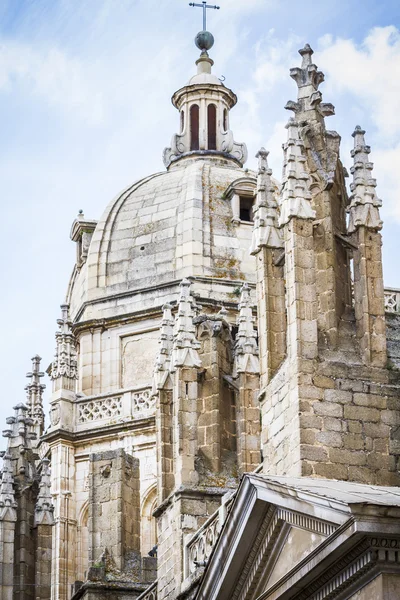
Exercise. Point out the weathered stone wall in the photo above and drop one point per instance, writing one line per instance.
(393, 339)
(184, 514)
(43, 548)
(114, 509)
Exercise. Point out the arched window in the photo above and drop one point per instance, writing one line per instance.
(148, 533)
(194, 127)
(182, 121)
(83, 543)
(212, 126)
(225, 119)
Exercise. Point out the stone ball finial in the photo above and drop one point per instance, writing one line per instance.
(204, 40)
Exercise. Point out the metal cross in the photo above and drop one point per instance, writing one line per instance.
(204, 6)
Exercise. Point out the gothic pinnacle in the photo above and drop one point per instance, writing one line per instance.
(265, 231)
(296, 196)
(246, 348)
(185, 344)
(308, 79)
(364, 203)
(34, 392)
(65, 359)
(44, 506)
(163, 360)
(8, 504)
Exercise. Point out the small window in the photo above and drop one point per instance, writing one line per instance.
(246, 209)
(182, 121)
(194, 127)
(225, 119)
(212, 126)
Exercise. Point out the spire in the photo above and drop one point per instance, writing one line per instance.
(308, 79)
(246, 348)
(163, 360)
(296, 195)
(364, 203)
(8, 504)
(20, 435)
(65, 361)
(185, 345)
(44, 505)
(265, 232)
(34, 393)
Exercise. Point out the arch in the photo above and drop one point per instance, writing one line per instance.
(83, 542)
(148, 525)
(225, 123)
(212, 126)
(194, 127)
(182, 120)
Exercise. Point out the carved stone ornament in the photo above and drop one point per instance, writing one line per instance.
(55, 415)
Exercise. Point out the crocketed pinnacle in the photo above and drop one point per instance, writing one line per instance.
(19, 446)
(34, 395)
(265, 231)
(44, 508)
(65, 359)
(296, 196)
(246, 348)
(364, 203)
(308, 78)
(8, 504)
(163, 360)
(185, 345)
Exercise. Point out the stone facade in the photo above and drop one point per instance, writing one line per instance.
(224, 354)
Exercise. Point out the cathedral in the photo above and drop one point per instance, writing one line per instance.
(225, 408)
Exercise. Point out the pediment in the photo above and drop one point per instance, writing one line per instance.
(283, 537)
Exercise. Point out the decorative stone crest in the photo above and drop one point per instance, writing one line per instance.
(296, 195)
(246, 348)
(265, 210)
(185, 344)
(65, 362)
(364, 203)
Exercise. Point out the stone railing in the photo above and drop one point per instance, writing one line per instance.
(115, 407)
(198, 548)
(392, 300)
(150, 593)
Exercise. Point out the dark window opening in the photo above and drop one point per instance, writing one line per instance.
(246, 209)
(212, 126)
(182, 121)
(225, 120)
(194, 127)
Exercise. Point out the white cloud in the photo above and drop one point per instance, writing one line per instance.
(370, 72)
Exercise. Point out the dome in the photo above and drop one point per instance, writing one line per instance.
(170, 225)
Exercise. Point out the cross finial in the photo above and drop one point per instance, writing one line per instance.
(204, 6)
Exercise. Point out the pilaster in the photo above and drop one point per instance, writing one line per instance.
(43, 528)
(8, 517)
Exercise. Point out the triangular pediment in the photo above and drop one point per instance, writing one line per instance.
(283, 533)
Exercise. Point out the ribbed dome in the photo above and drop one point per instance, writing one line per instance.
(161, 229)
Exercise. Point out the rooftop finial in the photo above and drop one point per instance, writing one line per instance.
(204, 6)
(34, 392)
(265, 232)
(246, 348)
(364, 202)
(185, 346)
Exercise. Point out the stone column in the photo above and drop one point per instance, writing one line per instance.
(64, 532)
(8, 517)
(365, 225)
(267, 246)
(43, 524)
(246, 372)
(114, 509)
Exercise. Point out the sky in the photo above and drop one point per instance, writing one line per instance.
(85, 110)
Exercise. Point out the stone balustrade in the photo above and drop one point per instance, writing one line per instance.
(115, 407)
(150, 593)
(198, 548)
(392, 300)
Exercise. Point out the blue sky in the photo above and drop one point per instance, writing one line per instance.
(85, 89)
